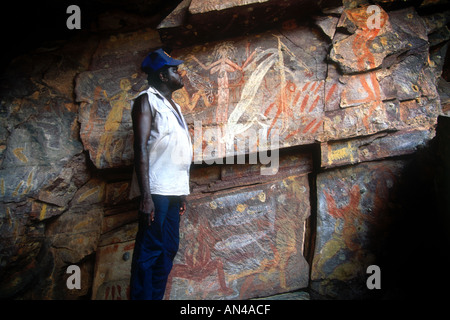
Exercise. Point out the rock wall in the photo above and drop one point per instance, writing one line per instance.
(343, 107)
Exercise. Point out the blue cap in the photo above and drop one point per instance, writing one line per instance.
(157, 59)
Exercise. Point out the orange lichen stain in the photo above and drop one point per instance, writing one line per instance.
(72, 107)
(43, 211)
(129, 247)
(121, 190)
(18, 152)
(16, 191)
(82, 224)
(88, 193)
(110, 249)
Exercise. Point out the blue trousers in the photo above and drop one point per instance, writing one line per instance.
(154, 250)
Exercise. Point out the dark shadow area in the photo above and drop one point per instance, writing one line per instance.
(414, 261)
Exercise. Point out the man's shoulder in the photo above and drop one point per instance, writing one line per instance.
(150, 99)
(146, 99)
(150, 94)
(140, 99)
(151, 91)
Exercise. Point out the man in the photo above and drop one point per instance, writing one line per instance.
(163, 155)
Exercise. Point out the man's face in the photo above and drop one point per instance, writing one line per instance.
(174, 79)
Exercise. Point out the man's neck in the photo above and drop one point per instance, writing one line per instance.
(166, 92)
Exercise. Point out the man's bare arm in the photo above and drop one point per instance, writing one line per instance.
(142, 119)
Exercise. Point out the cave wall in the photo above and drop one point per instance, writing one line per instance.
(343, 108)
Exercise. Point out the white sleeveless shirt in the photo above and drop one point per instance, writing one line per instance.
(169, 149)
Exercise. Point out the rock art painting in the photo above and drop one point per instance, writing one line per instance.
(272, 84)
(265, 83)
(242, 244)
